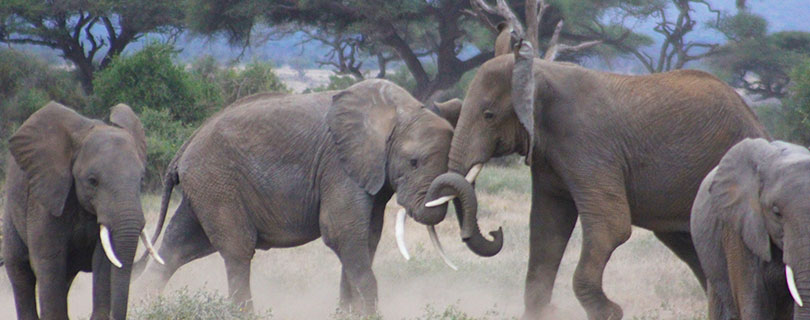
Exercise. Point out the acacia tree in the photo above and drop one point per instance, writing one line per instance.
(676, 49)
(87, 33)
(447, 33)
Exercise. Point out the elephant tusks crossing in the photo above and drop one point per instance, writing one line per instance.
(791, 282)
(471, 176)
(400, 233)
(151, 248)
(104, 234)
(435, 239)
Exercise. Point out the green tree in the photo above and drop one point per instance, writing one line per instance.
(87, 33)
(756, 61)
(448, 33)
(796, 105)
(150, 79)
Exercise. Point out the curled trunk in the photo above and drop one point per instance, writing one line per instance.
(466, 209)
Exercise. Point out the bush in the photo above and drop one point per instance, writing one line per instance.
(163, 138)
(27, 84)
(232, 84)
(794, 123)
(197, 305)
(150, 79)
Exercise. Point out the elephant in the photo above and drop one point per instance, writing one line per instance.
(610, 150)
(749, 225)
(276, 171)
(73, 204)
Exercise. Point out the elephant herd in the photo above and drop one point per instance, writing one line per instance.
(677, 153)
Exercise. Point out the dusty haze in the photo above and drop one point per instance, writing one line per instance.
(643, 276)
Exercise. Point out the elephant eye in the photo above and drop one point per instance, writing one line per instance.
(775, 210)
(93, 181)
(489, 114)
(414, 163)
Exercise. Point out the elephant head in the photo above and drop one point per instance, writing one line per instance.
(384, 136)
(63, 153)
(497, 118)
(760, 192)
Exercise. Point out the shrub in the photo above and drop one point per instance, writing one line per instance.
(197, 305)
(796, 107)
(150, 79)
(163, 138)
(232, 84)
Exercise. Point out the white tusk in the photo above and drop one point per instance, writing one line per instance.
(400, 233)
(473, 173)
(106, 244)
(792, 285)
(148, 244)
(439, 201)
(435, 239)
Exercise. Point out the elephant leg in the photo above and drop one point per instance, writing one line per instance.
(346, 296)
(681, 244)
(605, 217)
(238, 270)
(23, 280)
(101, 285)
(551, 223)
(52, 279)
(184, 241)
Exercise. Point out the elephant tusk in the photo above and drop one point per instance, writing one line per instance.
(791, 282)
(436, 243)
(473, 173)
(107, 245)
(471, 176)
(148, 244)
(400, 233)
(439, 201)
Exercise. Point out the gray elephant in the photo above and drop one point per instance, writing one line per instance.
(73, 204)
(749, 225)
(611, 150)
(276, 171)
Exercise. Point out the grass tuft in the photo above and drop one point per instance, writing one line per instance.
(201, 304)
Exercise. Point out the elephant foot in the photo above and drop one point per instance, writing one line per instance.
(607, 311)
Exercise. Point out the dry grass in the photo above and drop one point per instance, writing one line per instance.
(644, 277)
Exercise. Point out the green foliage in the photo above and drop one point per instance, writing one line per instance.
(201, 305)
(150, 79)
(797, 105)
(27, 84)
(757, 61)
(232, 84)
(164, 136)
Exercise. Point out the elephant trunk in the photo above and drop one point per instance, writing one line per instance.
(466, 209)
(125, 236)
(430, 215)
(801, 283)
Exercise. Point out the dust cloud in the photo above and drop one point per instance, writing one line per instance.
(646, 279)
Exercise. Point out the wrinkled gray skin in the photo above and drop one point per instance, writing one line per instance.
(281, 171)
(749, 219)
(68, 174)
(611, 150)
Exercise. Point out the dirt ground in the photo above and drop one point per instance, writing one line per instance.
(644, 277)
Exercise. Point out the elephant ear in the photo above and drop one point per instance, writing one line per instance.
(123, 117)
(361, 120)
(449, 110)
(523, 89)
(735, 193)
(503, 43)
(44, 147)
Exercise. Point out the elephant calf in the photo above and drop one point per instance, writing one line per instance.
(73, 204)
(275, 171)
(750, 228)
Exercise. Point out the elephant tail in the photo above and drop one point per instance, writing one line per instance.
(171, 179)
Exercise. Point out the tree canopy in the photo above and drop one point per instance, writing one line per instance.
(87, 33)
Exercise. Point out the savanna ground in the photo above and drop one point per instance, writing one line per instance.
(644, 277)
